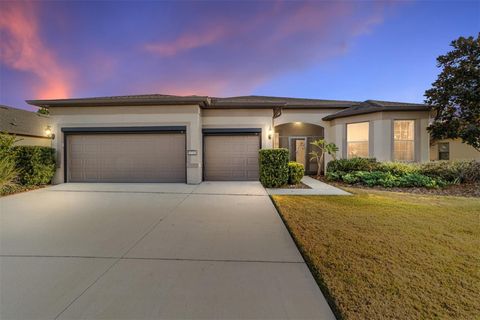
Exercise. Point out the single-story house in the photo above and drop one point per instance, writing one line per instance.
(166, 138)
(28, 127)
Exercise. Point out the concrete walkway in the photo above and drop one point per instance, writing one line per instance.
(151, 251)
(318, 188)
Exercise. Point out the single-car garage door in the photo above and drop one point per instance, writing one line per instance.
(231, 157)
(126, 157)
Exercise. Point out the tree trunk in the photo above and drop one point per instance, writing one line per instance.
(319, 164)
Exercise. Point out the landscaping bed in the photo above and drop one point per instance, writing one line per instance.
(388, 255)
(436, 177)
(459, 190)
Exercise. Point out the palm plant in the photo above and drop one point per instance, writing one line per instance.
(318, 155)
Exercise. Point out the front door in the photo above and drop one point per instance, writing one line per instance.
(298, 150)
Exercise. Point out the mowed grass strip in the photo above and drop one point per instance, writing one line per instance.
(385, 255)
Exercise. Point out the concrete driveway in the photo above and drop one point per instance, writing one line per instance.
(151, 251)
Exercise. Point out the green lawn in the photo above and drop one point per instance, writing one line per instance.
(385, 255)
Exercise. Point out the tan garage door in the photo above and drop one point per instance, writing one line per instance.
(232, 157)
(158, 157)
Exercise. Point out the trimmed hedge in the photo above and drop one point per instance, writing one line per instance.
(273, 167)
(296, 171)
(35, 164)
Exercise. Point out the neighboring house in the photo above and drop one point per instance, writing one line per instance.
(29, 127)
(452, 149)
(164, 138)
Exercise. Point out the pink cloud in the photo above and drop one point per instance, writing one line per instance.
(23, 50)
(240, 54)
(187, 41)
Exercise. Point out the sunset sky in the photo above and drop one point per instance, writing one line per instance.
(328, 50)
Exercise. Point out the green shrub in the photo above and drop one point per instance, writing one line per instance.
(296, 172)
(419, 180)
(389, 180)
(452, 171)
(35, 165)
(471, 172)
(335, 175)
(273, 167)
(352, 165)
(350, 178)
(398, 168)
(8, 172)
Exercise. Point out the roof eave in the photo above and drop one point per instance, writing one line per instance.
(395, 109)
(120, 102)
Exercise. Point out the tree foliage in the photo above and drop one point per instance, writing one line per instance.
(455, 95)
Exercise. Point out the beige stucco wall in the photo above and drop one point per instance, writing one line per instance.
(458, 150)
(33, 141)
(181, 115)
(240, 118)
(381, 134)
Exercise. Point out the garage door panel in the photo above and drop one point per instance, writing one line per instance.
(126, 158)
(231, 157)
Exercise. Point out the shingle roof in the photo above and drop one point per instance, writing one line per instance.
(22, 122)
(204, 101)
(130, 100)
(371, 106)
(349, 107)
(284, 102)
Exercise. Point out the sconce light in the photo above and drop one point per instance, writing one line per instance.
(270, 133)
(49, 133)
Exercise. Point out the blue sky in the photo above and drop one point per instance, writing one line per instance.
(327, 50)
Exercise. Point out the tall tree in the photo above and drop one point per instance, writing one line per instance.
(455, 95)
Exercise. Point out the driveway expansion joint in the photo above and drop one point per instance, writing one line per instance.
(115, 262)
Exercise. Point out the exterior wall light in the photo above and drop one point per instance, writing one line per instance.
(49, 133)
(270, 133)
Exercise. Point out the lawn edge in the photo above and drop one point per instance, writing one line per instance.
(315, 273)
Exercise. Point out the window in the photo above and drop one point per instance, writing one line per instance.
(403, 140)
(357, 140)
(443, 151)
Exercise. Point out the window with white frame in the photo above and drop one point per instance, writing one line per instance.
(404, 140)
(357, 140)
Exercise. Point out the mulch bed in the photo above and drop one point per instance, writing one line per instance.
(458, 190)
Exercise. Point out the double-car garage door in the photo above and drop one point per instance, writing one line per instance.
(126, 157)
(157, 156)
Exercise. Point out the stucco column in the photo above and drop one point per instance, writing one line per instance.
(194, 144)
